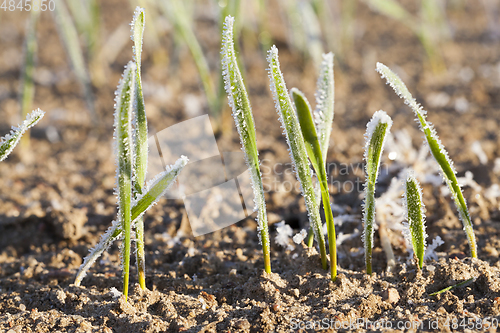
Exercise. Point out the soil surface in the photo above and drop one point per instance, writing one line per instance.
(56, 197)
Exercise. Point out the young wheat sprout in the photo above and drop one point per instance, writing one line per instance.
(124, 108)
(243, 118)
(295, 139)
(376, 133)
(315, 156)
(134, 197)
(141, 140)
(438, 151)
(415, 215)
(9, 141)
(323, 117)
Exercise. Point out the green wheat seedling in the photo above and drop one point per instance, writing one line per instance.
(415, 215)
(141, 139)
(323, 116)
(315, 154)
(438, 151)
(9, 141)
(27, 85)
(131, 149)
(298, 151)
(377, 130)
(69, 37)
(243, 118)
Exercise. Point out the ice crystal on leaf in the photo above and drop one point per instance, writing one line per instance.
(9, 141)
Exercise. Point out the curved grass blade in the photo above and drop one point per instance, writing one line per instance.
(178, 15)
(415, 216)
(69, 36)
(323, 115)
(152, 192)
(124, 109)
(298, 152)
(243, 118)
(315, 156)
(376, 132)
(461, 284)
(438, 151)
(9, 141)
(140, 140)
(27, 86)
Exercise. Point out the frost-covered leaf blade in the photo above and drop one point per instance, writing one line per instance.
(140, 139)
(324, 112)
(438, 151)
(415, 216)
(105, 242)
(157, 187)
(9, 141)
(152, 192)
(376, 132)
(141, 125)
(124, 107)
(295, 140)
(243, 118)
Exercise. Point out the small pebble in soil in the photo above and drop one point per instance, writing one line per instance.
(390, 295)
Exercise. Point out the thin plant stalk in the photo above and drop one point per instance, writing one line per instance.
(316, 157)
(376, 132)
(140, 141)
(438, 151)
(415, 216)
(243, 118)
(298, 152)
(28, 71)
(69, 36)
(9, 141)
(124, 109)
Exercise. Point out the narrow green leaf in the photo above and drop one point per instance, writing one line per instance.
(323, 116)
(376, 132)
(69, 36)
(325, 93)
(438, 151)
(415, 215)
(9, 141)
(124, 109)
(394, 10)
(152, 192)
(27, 85)
(315, 156)
(140, 140)
(461, 284)
(178, 15)
(295, 139)
(243, 118)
